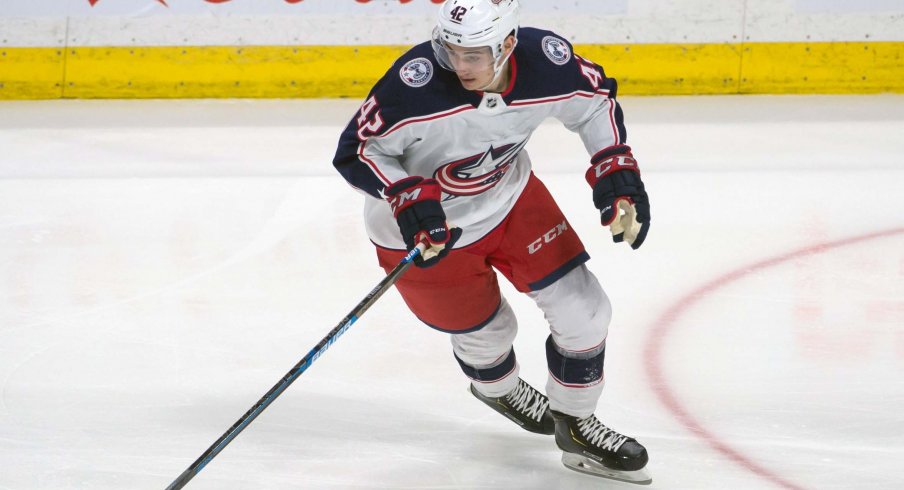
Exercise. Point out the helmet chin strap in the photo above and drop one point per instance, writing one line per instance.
(498, 68)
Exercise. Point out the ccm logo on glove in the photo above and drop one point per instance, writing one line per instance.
(620, 195)
(613, 164)
(403, 198)
(415, 203)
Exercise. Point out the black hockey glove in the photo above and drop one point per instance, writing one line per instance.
(619, 194)
(416, 206)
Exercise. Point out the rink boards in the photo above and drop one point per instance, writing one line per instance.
(319, 48)
(324, 71)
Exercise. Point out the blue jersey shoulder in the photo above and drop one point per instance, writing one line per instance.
(548, 66)
(416, 85)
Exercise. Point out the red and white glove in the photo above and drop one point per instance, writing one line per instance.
(416, 206)
(619, 194)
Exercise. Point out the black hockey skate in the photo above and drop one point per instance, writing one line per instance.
(524, 406)
(591, 447)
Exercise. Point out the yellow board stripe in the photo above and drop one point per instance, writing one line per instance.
(823, 68)
(663, 69)
(350, 71)
(31, 73)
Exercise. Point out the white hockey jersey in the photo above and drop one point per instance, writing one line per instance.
(419, 120)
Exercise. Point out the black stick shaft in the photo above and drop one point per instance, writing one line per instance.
(295, 372)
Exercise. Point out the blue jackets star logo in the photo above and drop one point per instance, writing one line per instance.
(477, 173)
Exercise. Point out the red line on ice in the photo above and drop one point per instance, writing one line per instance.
(667, 323)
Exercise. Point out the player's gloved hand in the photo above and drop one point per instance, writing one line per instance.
(619, 194)
(416, 206)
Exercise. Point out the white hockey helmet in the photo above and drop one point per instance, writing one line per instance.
(475, 23)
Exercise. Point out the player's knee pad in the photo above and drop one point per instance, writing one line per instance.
(575, 369)
(505, 366)
(578, 310)
(486, 347)
(576, 379)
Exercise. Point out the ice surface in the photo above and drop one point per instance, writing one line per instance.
(164, 263)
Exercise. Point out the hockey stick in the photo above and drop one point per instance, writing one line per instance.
(296, 371)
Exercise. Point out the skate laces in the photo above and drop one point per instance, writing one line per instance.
(525, 399)
(600, 435)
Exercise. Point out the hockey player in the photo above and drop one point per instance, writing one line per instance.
(438, 147)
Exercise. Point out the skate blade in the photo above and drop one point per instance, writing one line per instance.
(588, 466)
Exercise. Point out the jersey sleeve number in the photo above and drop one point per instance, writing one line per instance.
(369, 119)
(590, 72)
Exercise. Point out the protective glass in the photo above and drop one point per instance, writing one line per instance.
(456, 58)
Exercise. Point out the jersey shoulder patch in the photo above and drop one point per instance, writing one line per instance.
(417, 72)
(556, 49)
(545, 46)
